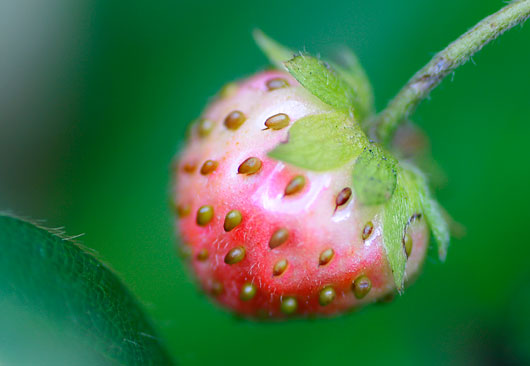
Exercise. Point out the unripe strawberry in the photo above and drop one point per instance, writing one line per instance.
(287, 208)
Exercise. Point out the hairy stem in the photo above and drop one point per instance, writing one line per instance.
(454, 55)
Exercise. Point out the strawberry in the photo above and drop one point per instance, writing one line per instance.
(285, 206)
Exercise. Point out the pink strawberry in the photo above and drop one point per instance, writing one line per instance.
(270, 238)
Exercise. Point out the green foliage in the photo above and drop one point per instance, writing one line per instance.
(148, 39)
(321, 142)
(411, 196)
(275, 52)
(344, 85)
(66, 307)
(374, 176)
(350, 69)
(437, 222)
(434, 213)
(396, 215)
(322, 81)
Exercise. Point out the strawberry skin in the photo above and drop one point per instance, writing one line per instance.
(267, 239)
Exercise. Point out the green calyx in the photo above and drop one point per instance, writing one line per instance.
(322, 142)
(336, 139)
(349, 68)
(410, 198)
(374, 176)
(322, 81)
(330, 140)
(342, 85)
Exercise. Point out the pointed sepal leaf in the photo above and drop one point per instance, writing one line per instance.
(434, 214)
(275, 52)
(321, 142)
(64, 306)
(322, 81)
(397, 212)
(374, 176)
(439, 226)
(350, 69)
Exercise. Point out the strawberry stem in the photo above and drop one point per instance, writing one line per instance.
(443, 63)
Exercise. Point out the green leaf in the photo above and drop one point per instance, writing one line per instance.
(321, 142)
(351, 70)
(347, 88)
(434, 214)
(374, 176)
(275, 52)
(439, 226)
(396, 215)
(60, 306)
(323, 82)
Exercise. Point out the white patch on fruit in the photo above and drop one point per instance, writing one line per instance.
(273, 200)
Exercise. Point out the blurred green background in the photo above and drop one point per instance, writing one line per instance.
(95, 97)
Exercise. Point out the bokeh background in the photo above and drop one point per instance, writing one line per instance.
(95, 97)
